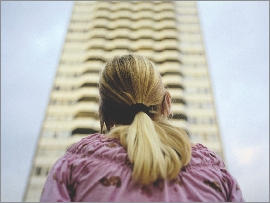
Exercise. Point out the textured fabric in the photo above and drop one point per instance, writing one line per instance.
(98, 169)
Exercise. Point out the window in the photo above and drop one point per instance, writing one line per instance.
(207, 105)
(38, 171)
(75, 75)
(178, 100)
(36, 190)
(206, 90)
(47, 171)
(63, 62)
(47, 134)
(212, 137)
(60, 152)
(51, 134)
(65, 134)
(90, 84)
(201, 105)
(195, 137)
(56, 87)
(190, 90)
(192, 120)
(59, 118)
(87, 99)
(179, 116)
(201, 120)
(49, 151)
(68, 118)
(41, 152)
(53, 102)
(83, 131)
(70, 102)
(62, 102)
(197, 90)
(61, 134)
(212, 120)
(59, 75)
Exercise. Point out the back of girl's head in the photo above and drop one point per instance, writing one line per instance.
(127, 80)
(155, 148)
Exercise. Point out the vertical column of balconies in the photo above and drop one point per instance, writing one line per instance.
(58, 125)
(202, 125)
(85, 109)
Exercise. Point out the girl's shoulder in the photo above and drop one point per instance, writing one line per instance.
(204, 157)
(98, 146)
(93, 140)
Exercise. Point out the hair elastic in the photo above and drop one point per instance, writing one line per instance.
(139, 107)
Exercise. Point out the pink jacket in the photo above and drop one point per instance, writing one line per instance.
(98, 169)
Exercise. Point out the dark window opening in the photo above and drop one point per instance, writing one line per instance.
(89, 84)
(133, 39)
(47, 171)
(168, 60)
(131, 50)
(86, 114)
(187, 132)
(102, 8)
(91, 71)
(172, 73)
(136, 20)
(84, 131)
(38, 171)
(174, 86)
(179, 101)
(95, 59)
(179, 117)
(88, 99)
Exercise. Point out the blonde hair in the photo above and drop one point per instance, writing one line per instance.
(156, 149)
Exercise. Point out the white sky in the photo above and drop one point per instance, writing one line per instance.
(236, 36)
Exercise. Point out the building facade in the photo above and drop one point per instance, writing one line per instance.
(168, 33)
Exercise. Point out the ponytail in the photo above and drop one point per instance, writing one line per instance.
(156, 149)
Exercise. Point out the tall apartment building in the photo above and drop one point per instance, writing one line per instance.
(168, 33)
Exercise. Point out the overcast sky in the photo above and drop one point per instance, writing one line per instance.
(236, 37)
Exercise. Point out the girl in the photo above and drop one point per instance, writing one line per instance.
(142, 157)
